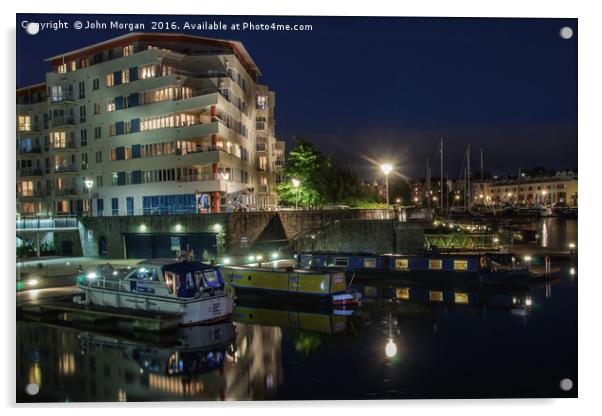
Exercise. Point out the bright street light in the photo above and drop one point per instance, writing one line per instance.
(296, 184)
(386, 168)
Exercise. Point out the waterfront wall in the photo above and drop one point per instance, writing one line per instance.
(237, 233)
(357, 235)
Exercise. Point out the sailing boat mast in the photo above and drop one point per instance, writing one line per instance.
(441, 175)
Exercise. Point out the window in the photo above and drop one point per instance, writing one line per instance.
(111, 104)
(100, 206)
(128, 50)
(262, 102)
(98, 156)
(97, 132)
(115, 206)
(99, 180)
(110, 79)
(83, 137)
(96, 108)
(125, 76)
(84, 161)
(82, 89)
(82, 114)
(147, 71)
(130, 205)
(96, 84)
(61, 69)
(24, 123)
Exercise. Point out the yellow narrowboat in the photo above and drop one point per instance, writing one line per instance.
(325, 285)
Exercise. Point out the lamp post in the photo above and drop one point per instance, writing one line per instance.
(386, 168)
(296, 184)
(89, 183)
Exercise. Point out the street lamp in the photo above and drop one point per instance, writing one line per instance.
(386, 168)
(296, 184)
(89, 183)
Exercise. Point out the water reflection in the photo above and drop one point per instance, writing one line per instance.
(406, 340)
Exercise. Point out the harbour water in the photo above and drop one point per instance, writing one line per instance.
(405, 341)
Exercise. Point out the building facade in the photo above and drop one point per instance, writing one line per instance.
(148, 124)
(559, 189)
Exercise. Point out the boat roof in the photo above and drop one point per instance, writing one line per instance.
(158, 262)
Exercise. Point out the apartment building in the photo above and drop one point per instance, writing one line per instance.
(148, 124)
(559, 189)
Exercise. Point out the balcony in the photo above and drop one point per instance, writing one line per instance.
(64, 121)
(30, 172)
(200, 177)
(30, 128)
(65, 98)
(65, 192)
(30, 150)
(261, 125)
(64, 146)
(71, 168)
(37, 194)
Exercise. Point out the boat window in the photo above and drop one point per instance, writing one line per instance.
(460, 264)
(144, 273)
(170, 278)
(436, 296)
(401, 263)
(369, 263)
(435, 264)
(461, 298)
(403, 293)
(212, 278)
(341, 261)
(189, 281)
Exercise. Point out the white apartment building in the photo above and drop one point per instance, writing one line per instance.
(148, 124)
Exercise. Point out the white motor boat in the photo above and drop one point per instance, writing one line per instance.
(193, 290)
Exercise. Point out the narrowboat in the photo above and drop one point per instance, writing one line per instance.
(325, 286)
(484, 268)
(195, 291)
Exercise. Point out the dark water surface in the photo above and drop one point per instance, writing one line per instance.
(405, 341)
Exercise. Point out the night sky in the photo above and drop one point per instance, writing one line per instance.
(387, 89)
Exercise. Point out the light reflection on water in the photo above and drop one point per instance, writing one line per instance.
(449, 341)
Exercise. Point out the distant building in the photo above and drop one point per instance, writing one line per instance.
(558, 189)
(148, 124)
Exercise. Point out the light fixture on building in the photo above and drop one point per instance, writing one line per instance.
(142, 228)
(178, 227)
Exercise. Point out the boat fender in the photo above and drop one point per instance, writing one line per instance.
(483, 262)
(230, 291)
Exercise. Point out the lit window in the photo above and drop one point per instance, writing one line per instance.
(110, 79)
(24, 123)
(111, 104)
(128, 50)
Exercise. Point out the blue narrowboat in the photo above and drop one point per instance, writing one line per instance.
(487, 267)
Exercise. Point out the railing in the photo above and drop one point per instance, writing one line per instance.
(29, 128)
(65, 97)
(39, 193)
(200, 177)
(30, 150)
(65, 192)
(63, 121)
(261, 125)
(69, 144)
(30, 172)
(46, 223)
(66, 168)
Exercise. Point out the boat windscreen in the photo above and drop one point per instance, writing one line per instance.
(212, 278)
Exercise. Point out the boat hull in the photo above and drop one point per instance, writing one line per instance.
(191, 311)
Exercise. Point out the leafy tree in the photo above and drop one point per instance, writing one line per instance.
(304, 164)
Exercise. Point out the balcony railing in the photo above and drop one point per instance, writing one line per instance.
(30, 150)
(30, 128)
(46, 223)
(200, 177)
(69, 144)
(67, 97)
(38, 193)
(63, 121)
(65, 192)
(30, 172)
(66, 168)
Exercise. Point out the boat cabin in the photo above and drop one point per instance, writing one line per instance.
(184, 279)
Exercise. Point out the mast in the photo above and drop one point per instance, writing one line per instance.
(441, 175)
(428, 183)
(468, 190)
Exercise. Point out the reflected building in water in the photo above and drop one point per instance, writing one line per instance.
(207, 363)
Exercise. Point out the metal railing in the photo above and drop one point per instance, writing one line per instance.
(46, 223)
(30, 172)
(30, 150)
(62, 121)
(65, 192)
(66, 168)
(69, 144)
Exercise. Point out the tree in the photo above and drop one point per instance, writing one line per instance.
(304, 164)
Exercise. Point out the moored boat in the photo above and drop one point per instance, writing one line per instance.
(192, 290)
(329, 286)
(487, 267)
